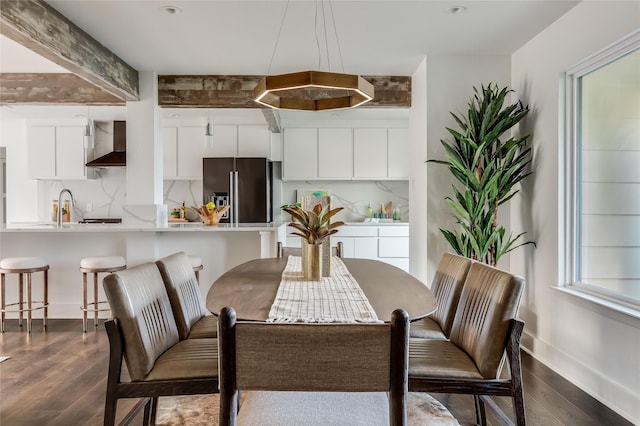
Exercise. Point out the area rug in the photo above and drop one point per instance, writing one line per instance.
(201, 410)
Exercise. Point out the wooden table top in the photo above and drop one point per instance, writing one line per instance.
(251, 288)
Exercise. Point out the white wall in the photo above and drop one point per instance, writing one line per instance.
(592, 346)
(450, 82)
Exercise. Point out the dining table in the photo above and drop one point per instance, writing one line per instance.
(251, 287)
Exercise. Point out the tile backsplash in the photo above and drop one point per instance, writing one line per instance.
(104, 196)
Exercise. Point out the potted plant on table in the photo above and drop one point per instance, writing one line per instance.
(313, 226)
(487, 167)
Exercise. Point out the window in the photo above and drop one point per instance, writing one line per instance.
(603, 174)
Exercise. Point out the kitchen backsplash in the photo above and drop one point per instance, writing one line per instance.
(105, 196)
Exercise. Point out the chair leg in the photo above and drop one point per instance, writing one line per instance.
(153, 410)
(46, 299)
(20, 298)
(29, 305)
(2, 295)
(110, 407)
(481, 414)
(95, 300)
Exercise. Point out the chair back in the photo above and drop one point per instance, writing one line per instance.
(489, 301)
(140, 303)
(446, 287)
(319, 357)
(283, 251)
(184, 292)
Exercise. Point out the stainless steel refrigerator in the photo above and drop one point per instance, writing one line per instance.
(242, 183)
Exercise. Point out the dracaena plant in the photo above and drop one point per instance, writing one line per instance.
(487, 166)
(313, 225)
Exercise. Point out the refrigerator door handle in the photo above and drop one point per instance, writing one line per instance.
(232, 197)
(236, 198)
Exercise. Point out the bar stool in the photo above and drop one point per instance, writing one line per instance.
(25, 266)
(96, 265)
(196, 263)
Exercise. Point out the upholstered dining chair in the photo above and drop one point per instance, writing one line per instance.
(446, 287)
(313, 374)
(485, 328)
(296, 251)
(192, 317)
(143, 332)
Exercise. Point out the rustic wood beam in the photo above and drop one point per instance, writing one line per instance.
(272, 117)
(19, 88)
(236, 91)
(41, 28)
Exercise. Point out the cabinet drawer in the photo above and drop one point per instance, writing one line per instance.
(393, 231)
(393, 247)
(358, 231)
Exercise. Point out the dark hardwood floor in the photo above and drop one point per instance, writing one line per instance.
(58, 378)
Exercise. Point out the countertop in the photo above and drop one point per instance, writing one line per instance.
(171, 227)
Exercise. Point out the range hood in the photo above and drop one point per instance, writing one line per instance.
(110, 139)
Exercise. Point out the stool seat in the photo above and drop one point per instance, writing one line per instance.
(102, 262)
(95, 265)
(24, 267)
(15, 263)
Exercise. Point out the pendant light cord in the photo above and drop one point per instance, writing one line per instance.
(335, 32)
(284, 15)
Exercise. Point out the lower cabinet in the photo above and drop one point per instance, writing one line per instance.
(386, 243)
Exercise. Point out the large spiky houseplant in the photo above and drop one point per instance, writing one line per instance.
(487, 162)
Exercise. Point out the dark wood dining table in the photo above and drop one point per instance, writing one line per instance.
(250, 289)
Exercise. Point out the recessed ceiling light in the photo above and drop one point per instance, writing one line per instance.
(456, 9)
(79, 116)
(171, 10)
(175, 115)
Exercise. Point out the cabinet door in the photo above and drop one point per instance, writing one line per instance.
(170, 152)
(335, 153)
(70, 153)
(399, 153)
(41, 152)
(191, 142)
(370, 153)
(225, 141)
(300, 153)
(253, 141)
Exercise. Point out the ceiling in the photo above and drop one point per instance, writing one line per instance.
(241, 37)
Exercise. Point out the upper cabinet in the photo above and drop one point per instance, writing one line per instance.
(57, 152)
(345, 153)
(240, 141)
(183, 149)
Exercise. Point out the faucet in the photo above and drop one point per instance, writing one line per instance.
(60, 205)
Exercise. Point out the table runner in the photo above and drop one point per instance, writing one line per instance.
(337, 298)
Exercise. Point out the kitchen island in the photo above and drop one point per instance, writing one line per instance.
(221, 248)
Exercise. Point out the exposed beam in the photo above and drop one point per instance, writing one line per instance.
(272, 117)
(17, 88)
(41, 28)
(236, 91)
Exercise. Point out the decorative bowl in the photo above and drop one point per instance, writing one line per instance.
(210, 216)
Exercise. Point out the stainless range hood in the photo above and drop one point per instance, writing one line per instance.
(110, 139)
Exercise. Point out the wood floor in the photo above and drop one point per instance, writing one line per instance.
(58, 378)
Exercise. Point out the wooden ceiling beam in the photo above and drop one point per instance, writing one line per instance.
(44, 30)
(236, 91)
(44, 89)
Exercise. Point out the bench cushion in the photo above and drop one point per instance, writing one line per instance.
(187, 359)
(314, 408)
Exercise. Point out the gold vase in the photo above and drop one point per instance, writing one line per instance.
(311, 261)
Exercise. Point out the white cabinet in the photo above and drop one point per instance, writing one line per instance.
(182, 152)
(300, 153)
(399, 154)
(335, 153)
(369, 153)
(240, 141)
(56, 152)
(346, 153)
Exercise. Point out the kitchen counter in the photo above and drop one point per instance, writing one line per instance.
(110, 227)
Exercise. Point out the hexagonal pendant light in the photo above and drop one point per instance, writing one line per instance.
(313, 90)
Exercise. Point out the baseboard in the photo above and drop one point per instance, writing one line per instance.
(610, 393)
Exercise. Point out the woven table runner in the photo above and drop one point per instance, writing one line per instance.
(337, 298)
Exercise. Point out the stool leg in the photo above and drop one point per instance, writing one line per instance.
(46, 299)
(20, 298)
(84, 302)
(2, 287)
(29, 307)
(95, 299)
